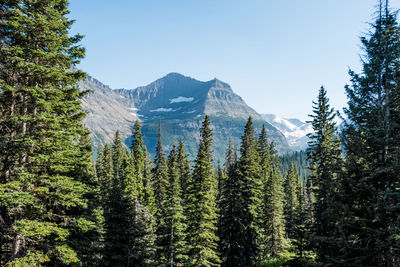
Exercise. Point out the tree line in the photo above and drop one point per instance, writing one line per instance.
(58, 207)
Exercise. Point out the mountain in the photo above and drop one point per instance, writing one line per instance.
(107, 112)
(178, 97)
(294, 130)
(180, 103)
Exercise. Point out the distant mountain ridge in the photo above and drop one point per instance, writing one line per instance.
(178, 96)
(294, 130)
(106, 112)
(180, 103)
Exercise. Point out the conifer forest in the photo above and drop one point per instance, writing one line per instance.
(62, 204)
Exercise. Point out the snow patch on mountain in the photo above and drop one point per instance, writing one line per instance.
(294, 130)
(162, 110)
(180, 99)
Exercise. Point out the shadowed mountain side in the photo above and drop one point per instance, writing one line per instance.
(107, 112)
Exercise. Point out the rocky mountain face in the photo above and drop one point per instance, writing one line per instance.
(294, 130)
(107, 112)
(180, 103)
(177, 96)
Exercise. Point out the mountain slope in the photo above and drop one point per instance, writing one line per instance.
(181, 102)
(107, 112)
(177, 96)
(294, 130)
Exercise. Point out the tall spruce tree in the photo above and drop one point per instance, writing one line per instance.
(115, 206)
(184, 169)
(326, 164)
(142, 168)
(46, 179)
(202, 209)
(250, 186)
(273, 223)
(160, 174)
(231, 230)
(176, 247)
(160, 185)
(291, 201)
(372, 144)
(300, 237)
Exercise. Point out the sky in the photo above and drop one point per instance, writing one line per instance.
(274, 54)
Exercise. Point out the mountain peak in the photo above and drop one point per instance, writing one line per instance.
(219, 84)
(174, 75)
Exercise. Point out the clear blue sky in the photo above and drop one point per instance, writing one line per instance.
(275, 54)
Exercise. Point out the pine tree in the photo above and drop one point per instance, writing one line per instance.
(46, 178)
(160, 174)
(326, 166)
(265, 155)
(185, 178)
(105, 170)
(300, 237)
(176, 249)
(115, 207)
(250, 186)
(202, 210)
(141, 235)
(272, 202)
(231, 230)
(160, 185)
(291, 189)
(371, 188)
(142, 168)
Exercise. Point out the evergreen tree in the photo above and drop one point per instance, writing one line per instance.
(142, 168)
(46, 179)
(141, 235)
(160, 174)
(265, 155)
(300, 237)
(160, 184)
(250, 186)
(291, 189)
(105, 169)
(300, 159)
(118, 157)
(202, 210)
(116, 217)
(231, 230)
(184, 169)
(176, 249)
(371, 188)
(272, 203)
(326, 165)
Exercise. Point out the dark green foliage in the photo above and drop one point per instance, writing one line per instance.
(128, 225)
(273, 223)
(231, 230)
(184, 169)
(202, 210)
(160, 185)
(111, 166)
(160, 174)
(176, 252)
(250, 186)
(142, 168)
(170, 221)
(325, 169)
(47, 199)
(371, 188)
(291, 200)
(301, 231)
(141, 235)
(299, 158)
